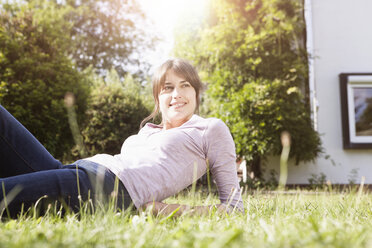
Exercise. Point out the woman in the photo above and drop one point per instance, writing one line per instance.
(158, 162)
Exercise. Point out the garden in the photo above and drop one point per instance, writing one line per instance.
(73, 72)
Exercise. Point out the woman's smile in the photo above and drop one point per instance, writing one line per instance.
(177, 105)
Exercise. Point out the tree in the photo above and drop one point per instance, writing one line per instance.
(48, 48)
(110, 33)
(252, 55)
(35, 73)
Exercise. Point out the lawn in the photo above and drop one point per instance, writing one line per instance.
(294, 219)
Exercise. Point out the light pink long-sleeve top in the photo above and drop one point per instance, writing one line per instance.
(157, 163)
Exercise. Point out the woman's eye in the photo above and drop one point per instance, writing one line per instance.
(166, 88)
(186, 85)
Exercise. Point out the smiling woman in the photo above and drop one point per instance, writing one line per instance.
(158, 162)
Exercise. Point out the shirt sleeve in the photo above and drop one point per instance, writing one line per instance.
(221, 157)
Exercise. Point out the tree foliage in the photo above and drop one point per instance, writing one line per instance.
(35, 74)
(109, 34)
(48, 48)
(252, 55)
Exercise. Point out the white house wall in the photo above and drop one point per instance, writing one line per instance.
(342, 42)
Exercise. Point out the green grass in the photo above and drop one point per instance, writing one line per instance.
(299, 219)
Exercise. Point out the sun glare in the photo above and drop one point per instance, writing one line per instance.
(167, 15)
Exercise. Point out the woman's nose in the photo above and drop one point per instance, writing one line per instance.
(176, 93)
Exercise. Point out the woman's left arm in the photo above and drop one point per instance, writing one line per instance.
(222, 162)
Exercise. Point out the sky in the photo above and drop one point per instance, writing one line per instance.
(166, 16)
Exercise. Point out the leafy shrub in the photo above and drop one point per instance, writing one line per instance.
(260, 111)
(114, 113)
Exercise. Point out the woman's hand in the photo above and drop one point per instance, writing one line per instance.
(161, 208)
(166, 209)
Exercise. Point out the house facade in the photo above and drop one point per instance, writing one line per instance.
(339, 39)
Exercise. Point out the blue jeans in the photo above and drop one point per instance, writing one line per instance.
(28, 169)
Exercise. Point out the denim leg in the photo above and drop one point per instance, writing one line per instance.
(20, 151)
(59, 185)
(96, 182)
(103, 183)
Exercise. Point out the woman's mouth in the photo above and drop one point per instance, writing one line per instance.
(177, 105)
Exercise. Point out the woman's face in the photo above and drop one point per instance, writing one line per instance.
(177, 100)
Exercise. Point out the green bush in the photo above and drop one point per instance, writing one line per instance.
(114, 113)
(260, 111)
